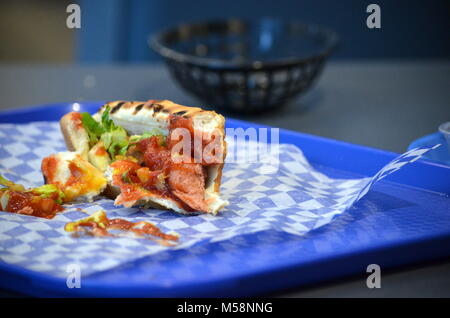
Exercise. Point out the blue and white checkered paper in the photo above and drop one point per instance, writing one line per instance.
(294, 198)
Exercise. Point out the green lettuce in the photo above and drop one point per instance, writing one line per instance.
(116, 142)
(114, 137)
(93, 128)
(47, 190)
(44, 191)
(11, 185)
(154, 132)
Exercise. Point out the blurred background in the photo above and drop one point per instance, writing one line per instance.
(118, 30)
(395, 77)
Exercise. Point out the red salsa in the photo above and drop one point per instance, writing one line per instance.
(29, 203)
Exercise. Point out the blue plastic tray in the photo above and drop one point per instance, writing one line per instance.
(404, 219)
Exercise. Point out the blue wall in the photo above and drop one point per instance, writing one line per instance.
(118, 30)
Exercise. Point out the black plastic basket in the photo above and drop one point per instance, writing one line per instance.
(245, 66)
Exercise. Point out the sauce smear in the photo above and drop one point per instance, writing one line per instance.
(99, 225)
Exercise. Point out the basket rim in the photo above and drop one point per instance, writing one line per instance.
(156, 42)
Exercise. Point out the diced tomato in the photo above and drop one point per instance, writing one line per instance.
(18, 200)
(156, 157)
(31, 204)
(143, 174)
(47, 205)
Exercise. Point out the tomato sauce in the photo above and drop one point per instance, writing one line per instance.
(49, 165)
(101, 151)
(76, 119)
(75, 174)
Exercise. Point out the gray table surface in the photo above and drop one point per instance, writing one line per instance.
(382, 104)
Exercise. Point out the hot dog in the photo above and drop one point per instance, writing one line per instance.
(153, 154)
